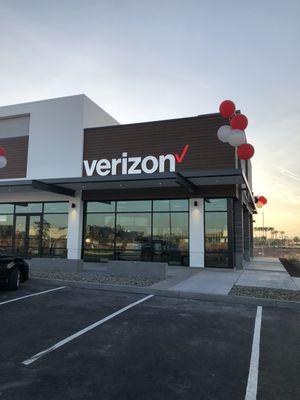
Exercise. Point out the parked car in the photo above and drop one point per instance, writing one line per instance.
(13, 270)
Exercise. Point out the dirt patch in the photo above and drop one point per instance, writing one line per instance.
(265, 293)
(292, 266)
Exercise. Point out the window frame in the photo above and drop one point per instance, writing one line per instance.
(230, 232)
(151, 212)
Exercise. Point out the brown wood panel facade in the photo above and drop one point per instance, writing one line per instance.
(205, 152)
(16, 154)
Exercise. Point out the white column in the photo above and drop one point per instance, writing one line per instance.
(75, 222)
(197, 232)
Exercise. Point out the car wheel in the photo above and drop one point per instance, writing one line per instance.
(14, 279)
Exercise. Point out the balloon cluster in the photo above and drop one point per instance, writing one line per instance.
(234, 134)
(260, 201)
(3, 160)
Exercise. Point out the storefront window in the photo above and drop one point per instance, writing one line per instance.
(56, 208)
(6, 209)
(99, 237)
(6, 232)
(54, 236)
(145, 230)
(24, 208)
(216, 233)
(133, 237)
(97, 206)
(34, 229)
(134, 205)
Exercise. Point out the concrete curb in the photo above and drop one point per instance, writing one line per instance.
(227, 299)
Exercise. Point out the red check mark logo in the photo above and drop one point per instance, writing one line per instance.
(180, 157)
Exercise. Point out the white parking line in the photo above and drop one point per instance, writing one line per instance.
(251, 391)
(31, 295)
(82, 331)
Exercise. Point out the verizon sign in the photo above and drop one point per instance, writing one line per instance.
(126, 165)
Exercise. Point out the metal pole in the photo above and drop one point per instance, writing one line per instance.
(263, 224)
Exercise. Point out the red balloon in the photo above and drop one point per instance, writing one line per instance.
(227, 108)
(239, 121)
(245, 151)
(263, 200)
(2, 151)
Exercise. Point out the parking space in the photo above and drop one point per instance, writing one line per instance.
(152, 348)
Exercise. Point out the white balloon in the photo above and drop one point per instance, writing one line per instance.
(224, 133)
(3, 161)
(237, 138)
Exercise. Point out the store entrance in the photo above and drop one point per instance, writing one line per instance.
(27, 238)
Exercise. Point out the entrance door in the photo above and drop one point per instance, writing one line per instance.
(27, 235)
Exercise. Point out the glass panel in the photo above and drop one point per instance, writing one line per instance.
(34, 228)
(29, 208)
(161, 236)
(56, 207)
(170, 238)
(55, 231)
(161, 205)
(179, 205)
(179, 244)
(215, 204)
(97, 206)
(99, 237)
(6, 232)
(6, 208)
(216, 238)
(216, 260)
(20, 235)
(134, 205)
(133, 237)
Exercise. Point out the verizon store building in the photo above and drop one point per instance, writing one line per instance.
(77, 184)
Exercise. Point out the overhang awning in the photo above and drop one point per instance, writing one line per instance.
(189, 180)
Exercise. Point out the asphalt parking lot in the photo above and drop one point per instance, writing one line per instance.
(112, 345)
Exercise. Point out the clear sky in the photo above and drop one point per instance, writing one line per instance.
(145, 60)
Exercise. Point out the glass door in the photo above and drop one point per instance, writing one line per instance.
(33, 235)
(27, 235)
(20, 235)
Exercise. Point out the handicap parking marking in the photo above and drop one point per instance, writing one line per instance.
(31, 295)
(251, 391)
(83, 331)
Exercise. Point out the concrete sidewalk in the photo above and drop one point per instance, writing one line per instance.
(259, 272)
(209, 281)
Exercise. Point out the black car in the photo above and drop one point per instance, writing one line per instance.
(13, 270)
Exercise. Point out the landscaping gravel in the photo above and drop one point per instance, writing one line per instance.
(266, 293)
(95, 277)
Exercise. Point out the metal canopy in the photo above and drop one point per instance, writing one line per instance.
(189, 180)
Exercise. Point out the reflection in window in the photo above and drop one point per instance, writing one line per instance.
(170, 238)
(24, 208)
(134, 205)
(61, 207)
(6, 232)
(99, 206)
(216, 233)
(54, 235)
(34, 229)
(158, 236)
(133, 237)
(215, 204)
(99, 237)
(6, 208)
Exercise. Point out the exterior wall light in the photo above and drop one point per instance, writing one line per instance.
(73, 205)
(195, 203)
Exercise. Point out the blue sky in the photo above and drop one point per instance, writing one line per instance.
(146, 60)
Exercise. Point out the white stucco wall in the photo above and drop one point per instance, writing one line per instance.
(56, 130)
(196, 232)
